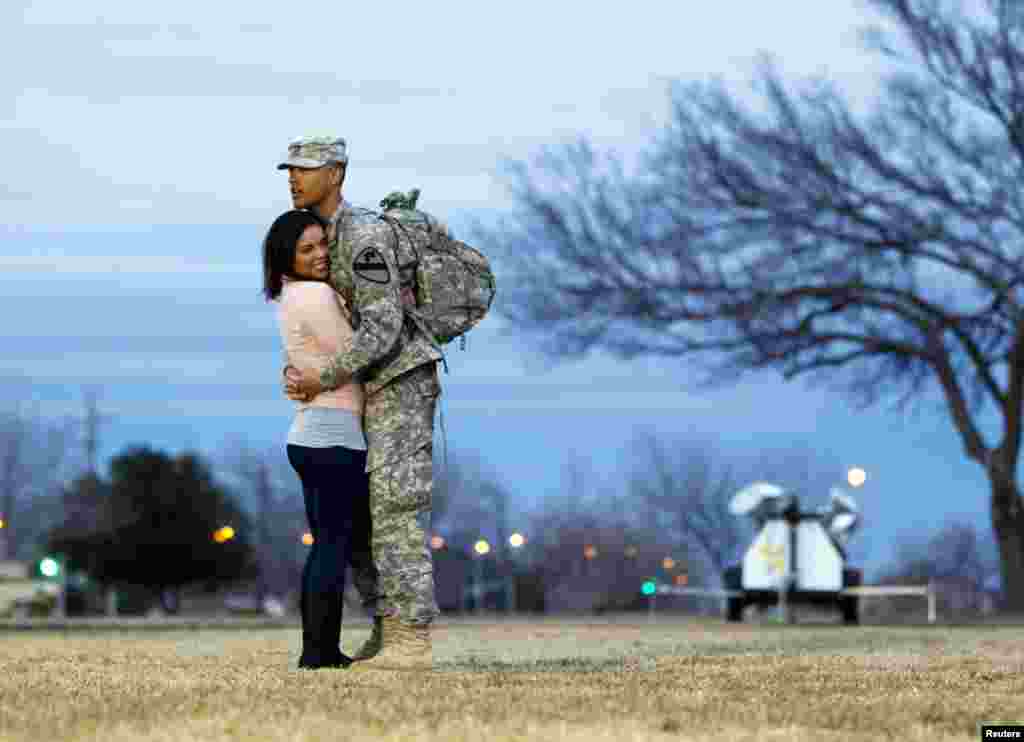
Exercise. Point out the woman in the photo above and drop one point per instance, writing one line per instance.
(325, 444)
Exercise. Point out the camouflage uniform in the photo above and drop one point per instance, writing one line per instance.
(398, 368)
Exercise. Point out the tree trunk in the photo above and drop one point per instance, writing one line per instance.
(1008, 526)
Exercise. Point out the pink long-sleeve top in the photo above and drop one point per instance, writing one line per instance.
(315, 326)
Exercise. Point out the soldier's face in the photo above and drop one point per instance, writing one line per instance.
(311, 186)
(311, 261)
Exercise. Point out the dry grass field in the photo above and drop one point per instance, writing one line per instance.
(575, 681)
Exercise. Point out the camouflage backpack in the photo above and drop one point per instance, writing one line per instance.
(452, 286)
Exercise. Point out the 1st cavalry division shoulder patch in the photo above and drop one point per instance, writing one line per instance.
(370, 265)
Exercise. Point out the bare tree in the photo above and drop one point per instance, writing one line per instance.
(879, 253)
(469, 502)
(956, 558)
(271, 492)
(32, 458)
(592, 547)
(686, 493)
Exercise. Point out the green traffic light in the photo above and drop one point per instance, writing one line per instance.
(49, 567)
(648, 588)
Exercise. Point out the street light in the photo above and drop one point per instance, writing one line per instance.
(856, 476)
(224, 533)
(482, 548)
(516, 541)
(307, 538)
(668, 563)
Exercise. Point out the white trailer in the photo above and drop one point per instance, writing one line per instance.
(796, 557)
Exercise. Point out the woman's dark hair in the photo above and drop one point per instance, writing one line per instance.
(279, 248)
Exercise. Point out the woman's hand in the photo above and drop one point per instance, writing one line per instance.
(301, 385)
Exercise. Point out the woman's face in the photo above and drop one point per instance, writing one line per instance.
(311, 260)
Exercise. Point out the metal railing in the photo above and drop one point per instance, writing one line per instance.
(866, 591)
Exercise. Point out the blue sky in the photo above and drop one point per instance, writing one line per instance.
(140, 145)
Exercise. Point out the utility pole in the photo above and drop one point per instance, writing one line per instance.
(91, 423)
(86, 513)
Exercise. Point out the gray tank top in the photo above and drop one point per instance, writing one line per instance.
(323, 427)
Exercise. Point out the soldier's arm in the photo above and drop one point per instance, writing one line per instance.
(377, 303)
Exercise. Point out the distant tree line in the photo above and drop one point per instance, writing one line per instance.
(150, 527)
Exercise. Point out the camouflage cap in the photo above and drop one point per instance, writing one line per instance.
(312, 151)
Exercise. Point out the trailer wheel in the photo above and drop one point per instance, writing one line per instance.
(849, 606)
(732, 579)
(734, 609)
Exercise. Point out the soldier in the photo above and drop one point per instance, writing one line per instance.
(398, 368)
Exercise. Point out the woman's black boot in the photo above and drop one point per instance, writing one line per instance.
(321, 633)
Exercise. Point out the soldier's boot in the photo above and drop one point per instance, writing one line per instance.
(404, 646)
(371, 647)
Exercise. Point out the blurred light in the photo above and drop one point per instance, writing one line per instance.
(856, 476)
(49, 567)
(436, 542)
(631, 551)
(648, 588)
(224, 533)
(517, 540)
(668, 563)
(307, 538)
(3, 523)
(481, 547)
(682, 579)
(589, 552)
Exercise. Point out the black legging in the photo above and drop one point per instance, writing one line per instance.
(335, 488)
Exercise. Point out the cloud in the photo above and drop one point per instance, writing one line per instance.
(78, 267)
(266, 401)
(176, 114)
(112, 62)
(10, 193)
(109, 80)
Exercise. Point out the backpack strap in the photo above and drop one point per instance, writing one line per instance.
(409, 312)
(394, 200)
